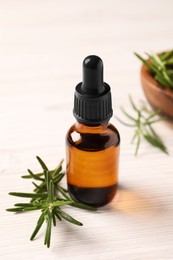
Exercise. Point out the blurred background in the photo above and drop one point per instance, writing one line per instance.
(44, 42)
(42, 46)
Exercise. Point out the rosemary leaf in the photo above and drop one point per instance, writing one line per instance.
(31, 208)
(48, 229)
(133, 104)
(51, 192)
(155, 134)
(54, 218)
(166, 56)
(129, 116)
(60, 189)
(153, 114)
(24, 205)
(123, 123)
(37, 186)
(47, 178)
(43, 165)
(162, 80)
(62, 202)
(58, 178)
(57, 215)
(150, 66)
(29, 176)
(38, 226)
(138, 144)
(28, 195)
(36, 177)
(82, 206)
(154, 142)
(68, 217)
(133, 138)
(57, 169)
(15, 209)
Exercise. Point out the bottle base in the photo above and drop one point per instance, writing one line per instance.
(95, 197)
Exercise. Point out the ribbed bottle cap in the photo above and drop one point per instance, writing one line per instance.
(92, 98)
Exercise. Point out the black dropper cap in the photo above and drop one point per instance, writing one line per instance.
(92, 98)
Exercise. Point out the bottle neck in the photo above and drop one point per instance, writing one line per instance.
(90, 128)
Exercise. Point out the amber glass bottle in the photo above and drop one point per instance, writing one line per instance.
(92, 144)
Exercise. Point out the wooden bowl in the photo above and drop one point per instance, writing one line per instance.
(158, 96)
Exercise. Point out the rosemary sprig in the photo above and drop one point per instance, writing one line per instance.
(48, 196)
(161, 67)
(142, 124)
(56, 176)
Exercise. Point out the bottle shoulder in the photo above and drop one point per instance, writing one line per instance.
(92, 138)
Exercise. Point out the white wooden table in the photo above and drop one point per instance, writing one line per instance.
(42, 45)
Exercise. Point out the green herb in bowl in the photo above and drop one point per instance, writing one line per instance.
(157, 81)
(160, 67)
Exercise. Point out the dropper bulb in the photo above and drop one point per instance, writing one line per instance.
(92, 97)
(92, 76)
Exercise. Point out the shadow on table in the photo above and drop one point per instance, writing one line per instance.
(129, 201)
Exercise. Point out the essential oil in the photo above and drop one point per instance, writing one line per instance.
(92, 143)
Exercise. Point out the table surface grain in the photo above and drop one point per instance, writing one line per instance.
(42, 45)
